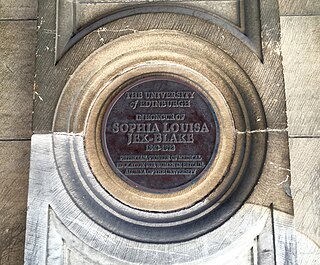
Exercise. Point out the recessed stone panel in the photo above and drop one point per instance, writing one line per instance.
(162, 127)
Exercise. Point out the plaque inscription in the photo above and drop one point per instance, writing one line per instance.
(160, 134)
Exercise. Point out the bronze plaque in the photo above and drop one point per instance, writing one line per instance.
(160, 134)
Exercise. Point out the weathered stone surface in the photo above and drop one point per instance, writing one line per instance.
(274, 183)
(18, 9)
(300, 38)
(246, 238)
(195, 23)
(305, 166)
(299, 8)
(301, 60)
(87, 12)
(14, 157)
(17, 49)
(90, 68)
(12, 249)
(308, 251)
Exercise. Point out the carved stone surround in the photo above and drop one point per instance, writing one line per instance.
(80, 211)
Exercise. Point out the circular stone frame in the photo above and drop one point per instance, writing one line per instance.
(174, 201)
(209, 202)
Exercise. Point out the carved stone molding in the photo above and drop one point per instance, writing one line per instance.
(223, 59)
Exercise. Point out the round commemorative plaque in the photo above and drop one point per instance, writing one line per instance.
(160, 134)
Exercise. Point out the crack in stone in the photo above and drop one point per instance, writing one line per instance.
(116, 30)
(69, 134)
(284, 181)
(263, 131)
(101, 39)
